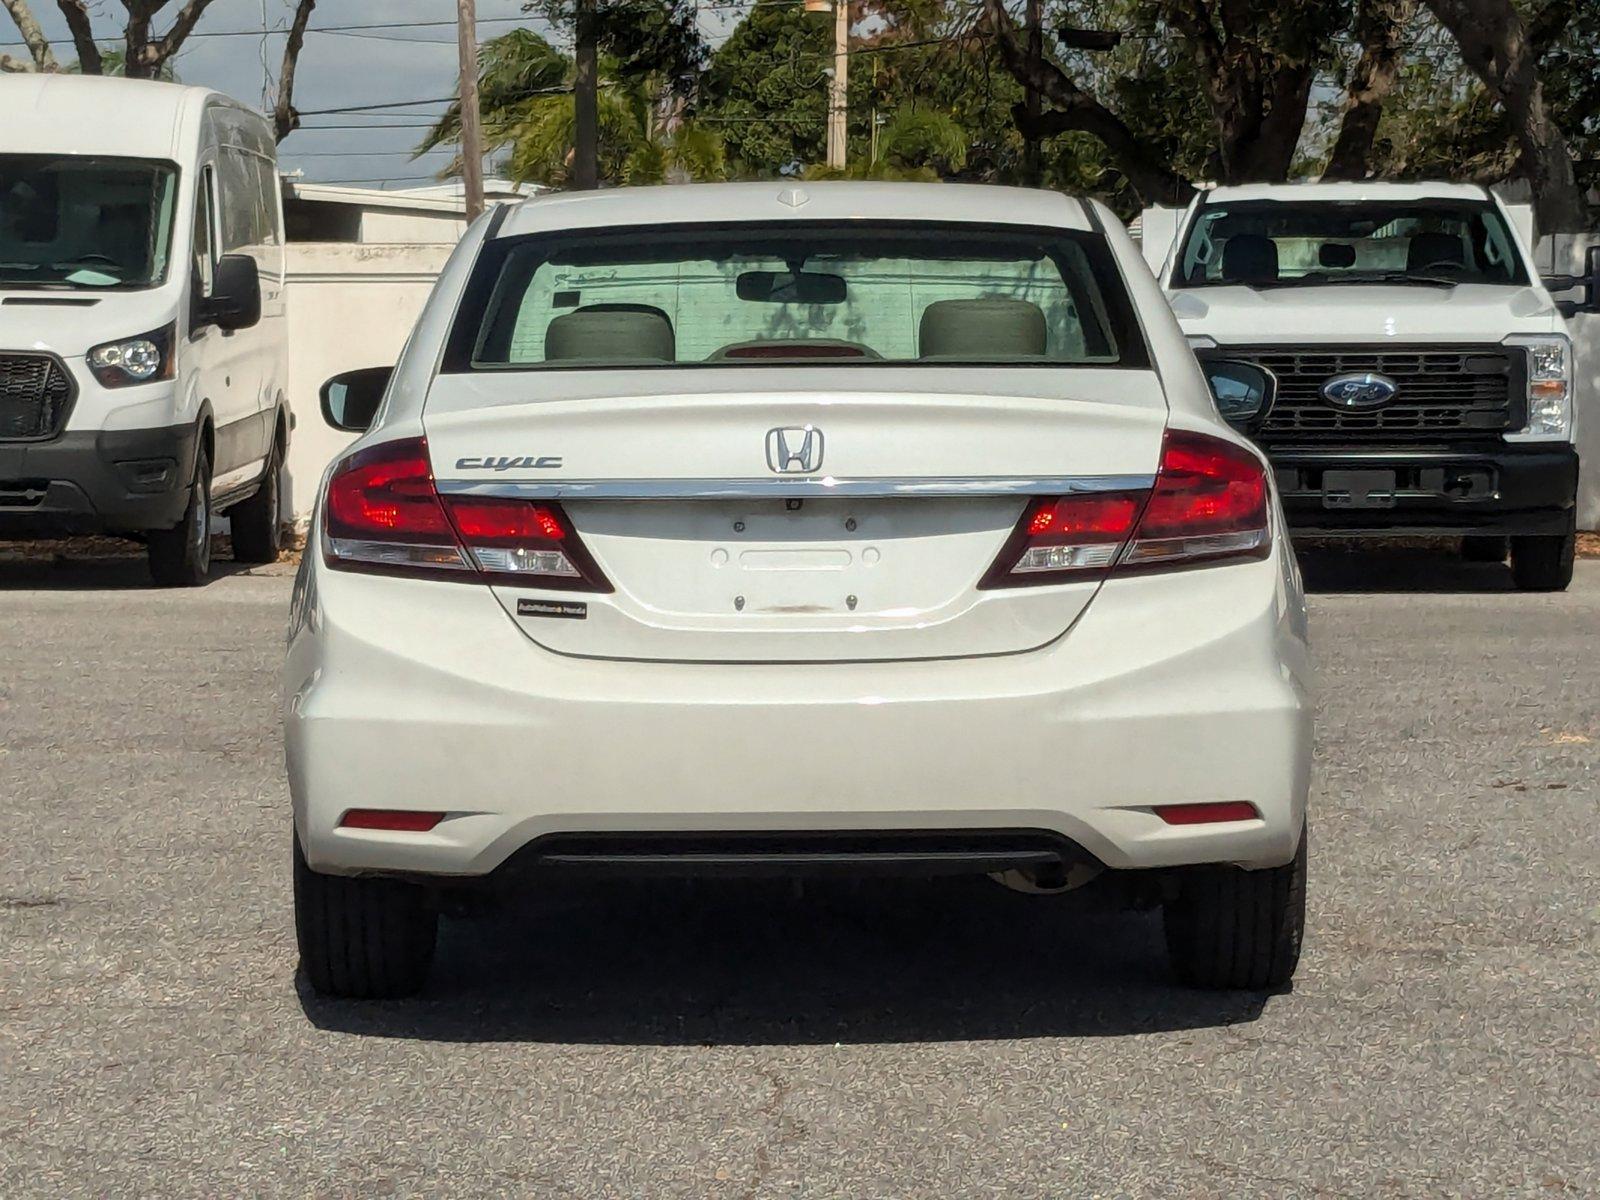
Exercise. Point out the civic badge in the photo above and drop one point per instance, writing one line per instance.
(1360, 391)
(794, 449)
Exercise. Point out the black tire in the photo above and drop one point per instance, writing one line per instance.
(1232, 928)
(363, 939)
(1543, 563)
(257, 521)
(181, 556)
(1483, 549)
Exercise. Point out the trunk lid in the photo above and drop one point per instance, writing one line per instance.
(870, 547)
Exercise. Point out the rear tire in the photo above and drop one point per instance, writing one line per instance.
(256, 522)
(363, 939)
(1232, 928)
(1481, 549)
(1543, 563)
(181, 556)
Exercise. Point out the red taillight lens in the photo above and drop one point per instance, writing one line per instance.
(384, 513)
(1066, 537)
(1209, 503)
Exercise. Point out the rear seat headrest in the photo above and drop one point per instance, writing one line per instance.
(994, 327)
(1249, 258)
(609, 332)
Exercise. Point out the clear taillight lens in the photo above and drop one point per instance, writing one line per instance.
(1209, 504)
(383, 513)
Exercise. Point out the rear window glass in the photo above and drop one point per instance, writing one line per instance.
(752, 295)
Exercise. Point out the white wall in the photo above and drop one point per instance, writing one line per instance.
(349, 306)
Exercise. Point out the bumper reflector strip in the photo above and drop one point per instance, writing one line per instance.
(393, 820)
(1207, 814)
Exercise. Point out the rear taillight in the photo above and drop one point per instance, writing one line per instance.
(1209, 504)
(383, 513)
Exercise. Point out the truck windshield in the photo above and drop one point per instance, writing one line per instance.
(1275, 243)
(80, 222)
(754, 295)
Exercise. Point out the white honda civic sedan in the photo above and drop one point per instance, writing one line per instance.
(766, 528)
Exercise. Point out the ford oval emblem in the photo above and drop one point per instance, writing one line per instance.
(1359, 391)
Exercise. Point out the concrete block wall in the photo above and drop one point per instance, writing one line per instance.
(350, 305)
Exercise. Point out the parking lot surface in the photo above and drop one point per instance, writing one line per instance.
(734, 1040)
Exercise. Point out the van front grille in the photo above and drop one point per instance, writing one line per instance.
(1441, 391)
(35, 394)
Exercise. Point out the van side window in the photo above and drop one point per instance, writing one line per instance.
(205, 209)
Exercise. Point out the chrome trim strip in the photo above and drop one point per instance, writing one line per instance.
(780, 488)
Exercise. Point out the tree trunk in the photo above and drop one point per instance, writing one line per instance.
(285, 119)
(585, 101)
(76, 15)
(33, 37)
(1145, 168)
(1380, 25)
(1496, 47)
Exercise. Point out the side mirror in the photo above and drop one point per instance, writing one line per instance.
(350, 399)
(1588, 282)
(1244, 391)
(235, 300)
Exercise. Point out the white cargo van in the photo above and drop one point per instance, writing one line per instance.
(1425, 375)
(142, 362)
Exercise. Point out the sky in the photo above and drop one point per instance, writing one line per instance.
(410, 62)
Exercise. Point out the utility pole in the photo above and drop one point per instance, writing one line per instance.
(471, 130)
(585, 101)
(838, 89)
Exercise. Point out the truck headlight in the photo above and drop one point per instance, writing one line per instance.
(1549, 388)
(141, 359)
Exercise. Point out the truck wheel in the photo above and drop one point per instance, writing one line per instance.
(1232, 928)
(181, 556)
(364, 939)
(1543, 563)
(256, 525)
(1481, 549)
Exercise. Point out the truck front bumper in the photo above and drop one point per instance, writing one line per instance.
(116, 481)
(1505, 489)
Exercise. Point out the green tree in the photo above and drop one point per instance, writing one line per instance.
(527, 110)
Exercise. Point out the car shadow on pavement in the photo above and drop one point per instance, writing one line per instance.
(748, 962)
(107, 572)
(1399, 570)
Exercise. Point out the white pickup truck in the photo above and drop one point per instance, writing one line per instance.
(1425, 375)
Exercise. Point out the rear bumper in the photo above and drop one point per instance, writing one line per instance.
(414, 694)
(1504, 489)
(96, 481)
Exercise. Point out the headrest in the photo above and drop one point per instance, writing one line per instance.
(609, 332)
(1249, 258)
(1431, 249)
(983, 329)
(1336, 254)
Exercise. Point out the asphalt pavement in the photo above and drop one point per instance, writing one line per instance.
(745, 1040)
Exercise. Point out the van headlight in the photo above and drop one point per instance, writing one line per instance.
(141, 359)
(1549, 388)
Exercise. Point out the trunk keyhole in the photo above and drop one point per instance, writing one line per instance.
(738, 603)
(850, 524)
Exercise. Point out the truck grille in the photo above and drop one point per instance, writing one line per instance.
(1454, 391)
(35, 393)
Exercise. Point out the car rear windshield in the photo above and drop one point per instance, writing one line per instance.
(1275, 243)
(764, 295)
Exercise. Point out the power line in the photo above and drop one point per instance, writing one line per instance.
(270, 31)
(356, 108)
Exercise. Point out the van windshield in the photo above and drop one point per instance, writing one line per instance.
(755, 294)
(78, 222)
(1276, 243)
